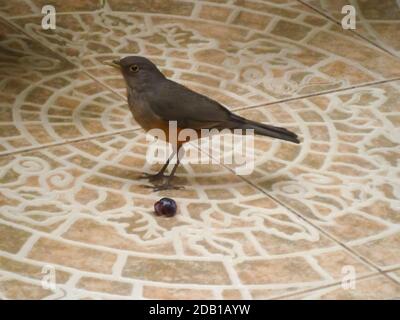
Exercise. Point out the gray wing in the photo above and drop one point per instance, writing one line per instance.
(174, 102)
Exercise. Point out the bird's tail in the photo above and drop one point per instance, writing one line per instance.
(263, 129)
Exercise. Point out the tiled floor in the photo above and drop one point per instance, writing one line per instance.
(71, 155)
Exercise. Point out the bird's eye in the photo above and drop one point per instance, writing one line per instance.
(134, 68)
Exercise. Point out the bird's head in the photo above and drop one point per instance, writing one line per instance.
(137, 71)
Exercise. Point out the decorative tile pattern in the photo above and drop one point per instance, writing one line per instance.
(372, 288)
(260, 52)
(92, 217)
(45, 100)
(344, 177)
(378, 21)
(72, 203)
(30, 7)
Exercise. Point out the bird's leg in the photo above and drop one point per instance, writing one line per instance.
(168, 184)
(160, 175)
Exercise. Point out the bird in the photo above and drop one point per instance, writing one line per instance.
(154, 101)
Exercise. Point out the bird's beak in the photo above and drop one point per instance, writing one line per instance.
(114, 64)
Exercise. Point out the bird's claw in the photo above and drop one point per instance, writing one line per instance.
(165, 186)
(153, 177)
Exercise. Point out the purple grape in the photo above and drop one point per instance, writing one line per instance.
(165, 207)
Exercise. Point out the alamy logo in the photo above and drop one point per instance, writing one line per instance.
(49, 277)
(216, 147)
(349, 278)
(49, 20)
(349, 20)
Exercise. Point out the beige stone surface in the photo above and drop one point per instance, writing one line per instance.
(72, 203)
(379, 21)
(374, 288)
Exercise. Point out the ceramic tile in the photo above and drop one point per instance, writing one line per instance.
(270, 50)
(93, 218)
(73, 205)
(154, 292)
(29, 7)
(58, 252)
(12, 239)
(377, 21)
(344, 175)
(30, 269)
(112, 287)
(19, 290)
(45, 100)
(374, 288)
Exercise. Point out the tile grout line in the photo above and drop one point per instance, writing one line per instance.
(392, 269)
(15, 26)
(332, 19)
(62, 143)
(394, 278)
(320, 93)
(101, 83)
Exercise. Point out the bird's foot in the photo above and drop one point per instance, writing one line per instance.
(153, 177)
(165, 186)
